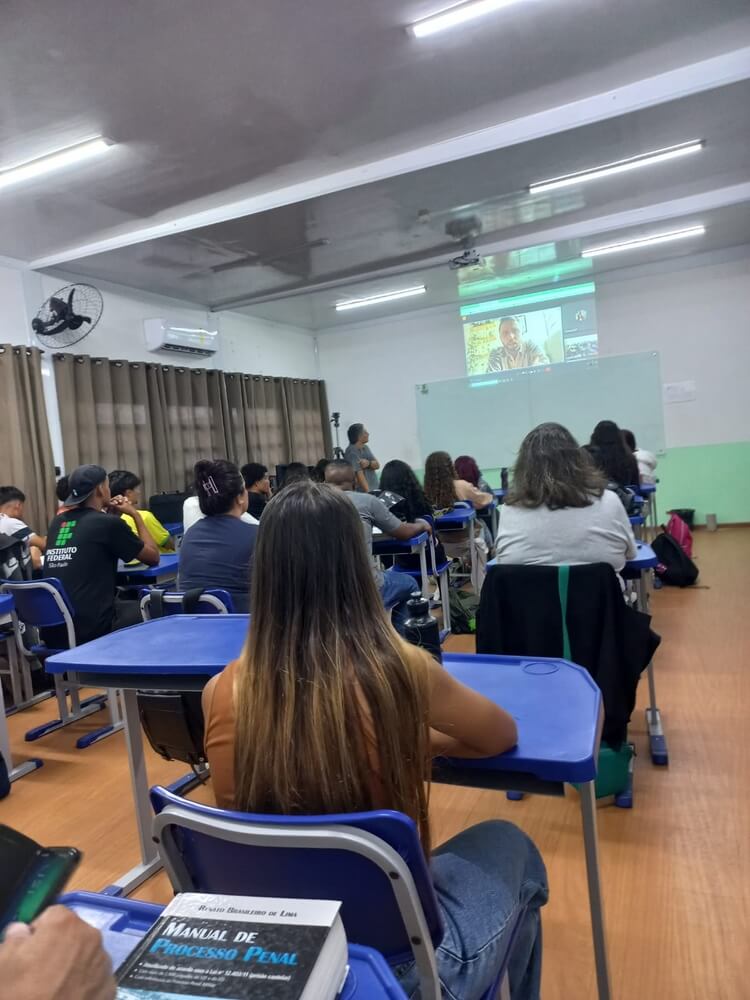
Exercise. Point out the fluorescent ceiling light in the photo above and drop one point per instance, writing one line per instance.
(66, 157)
(644, 241)
(451, 17)
(373, 300)
(618, 167)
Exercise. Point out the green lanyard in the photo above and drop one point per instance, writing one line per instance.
(563, 578)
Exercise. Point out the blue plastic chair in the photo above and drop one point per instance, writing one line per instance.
(373, 862)
(41, 604)
(212, 601)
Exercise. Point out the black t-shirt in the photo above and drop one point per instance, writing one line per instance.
(83, 546)
(256, 503)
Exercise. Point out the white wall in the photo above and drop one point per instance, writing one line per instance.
(695, 312)
(247, 344)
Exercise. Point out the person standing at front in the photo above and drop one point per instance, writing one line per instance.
(361, 459)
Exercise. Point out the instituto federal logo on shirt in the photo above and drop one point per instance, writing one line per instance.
(65, 533)
(62, 551)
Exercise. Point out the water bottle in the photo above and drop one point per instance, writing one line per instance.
(420, 628)
(504, 478)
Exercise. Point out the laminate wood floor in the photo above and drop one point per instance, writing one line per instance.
(676, 868)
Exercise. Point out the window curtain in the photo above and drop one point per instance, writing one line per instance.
(25, 448)
(105, 414)
(308, 426)
(158, 420)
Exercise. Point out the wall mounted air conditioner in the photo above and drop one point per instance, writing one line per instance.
(161, 335)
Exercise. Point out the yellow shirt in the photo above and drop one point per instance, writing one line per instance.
(155, 528)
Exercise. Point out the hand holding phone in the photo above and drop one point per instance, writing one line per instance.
(31, 876)
(58, 956)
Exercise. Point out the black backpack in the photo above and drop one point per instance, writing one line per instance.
(675, 567)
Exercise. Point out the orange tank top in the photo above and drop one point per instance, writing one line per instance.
(219, 731)
(219, 737)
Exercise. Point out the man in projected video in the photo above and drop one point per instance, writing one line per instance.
(514, 351)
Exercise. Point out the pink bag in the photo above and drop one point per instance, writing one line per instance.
(677, 528)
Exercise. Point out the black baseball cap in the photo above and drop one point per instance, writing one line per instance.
(82, 482)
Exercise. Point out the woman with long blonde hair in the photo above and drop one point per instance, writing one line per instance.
(328, 710)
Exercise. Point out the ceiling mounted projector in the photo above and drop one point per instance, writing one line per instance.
(464, 230)
(469, 258)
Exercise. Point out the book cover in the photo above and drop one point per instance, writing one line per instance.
(230, 948)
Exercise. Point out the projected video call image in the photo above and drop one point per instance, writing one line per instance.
(546, 335)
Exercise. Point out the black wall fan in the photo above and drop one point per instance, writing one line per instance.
(69, 315)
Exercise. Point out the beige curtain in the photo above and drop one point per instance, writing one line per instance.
(105, 415)
(25, 448)
(158, 420)
(257, 419)
(308, 427)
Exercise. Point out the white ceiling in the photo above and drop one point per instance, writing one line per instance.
(216, 107)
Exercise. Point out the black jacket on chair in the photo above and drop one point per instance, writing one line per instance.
(520, 615)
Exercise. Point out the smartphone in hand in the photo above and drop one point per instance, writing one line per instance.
(31, 876)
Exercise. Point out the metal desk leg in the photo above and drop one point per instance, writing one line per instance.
(423, 570)
(150, 863)
(591, 845)
(656, 738)
(30, 765)
(473, 552)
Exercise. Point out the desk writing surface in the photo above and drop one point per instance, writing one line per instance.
(382, 542)
(181, 644)
(645, 558)
(557, 707)
(457, 516)
(168, 562)
(6, 604)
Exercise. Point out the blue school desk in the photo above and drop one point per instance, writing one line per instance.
(123, 922)
(458, 517)
(176, 530)
(557, 705)
(6, 625)
(384, 545)
(454, 520)
(138, 573)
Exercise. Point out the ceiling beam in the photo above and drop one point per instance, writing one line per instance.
(708, 74)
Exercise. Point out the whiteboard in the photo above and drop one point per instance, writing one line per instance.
(488, 416)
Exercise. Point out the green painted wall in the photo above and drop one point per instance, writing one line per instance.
(713, 479)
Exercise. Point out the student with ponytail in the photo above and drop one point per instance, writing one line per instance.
(328, 710)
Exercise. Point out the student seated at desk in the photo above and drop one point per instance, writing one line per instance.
(13, 525)
(62, 489)
(610, 454)
(192, 513)
(84, 545)
(399, 478)
(443, 487)
(127, 484)
(258, 487)
(327, 710)
(468, 470)
(646, 460)
(395, 588)
(558, 510)
(218, 549)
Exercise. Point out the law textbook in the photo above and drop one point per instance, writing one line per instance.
(238, 948)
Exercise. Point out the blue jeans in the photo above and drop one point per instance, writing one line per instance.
(481, 877)
(396, 589)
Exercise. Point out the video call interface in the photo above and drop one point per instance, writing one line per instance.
(499, 338)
